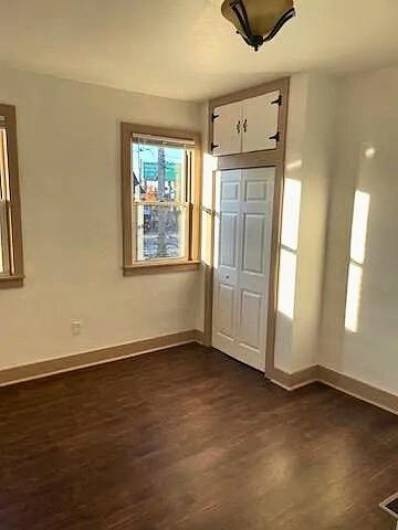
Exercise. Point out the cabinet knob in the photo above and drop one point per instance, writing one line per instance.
(245, 125)
(238, 127)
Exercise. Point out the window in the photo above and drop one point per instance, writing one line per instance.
(160, 173)
(11, 262)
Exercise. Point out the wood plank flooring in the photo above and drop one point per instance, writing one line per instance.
(188, 439)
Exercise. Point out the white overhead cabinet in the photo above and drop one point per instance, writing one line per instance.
(260, 124)
(227, 138)
(247, 126)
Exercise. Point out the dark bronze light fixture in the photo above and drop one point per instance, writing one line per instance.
(258, 21)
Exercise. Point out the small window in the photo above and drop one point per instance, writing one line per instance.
(11, 263)
(160, 188)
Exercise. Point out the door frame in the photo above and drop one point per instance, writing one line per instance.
(260, 159)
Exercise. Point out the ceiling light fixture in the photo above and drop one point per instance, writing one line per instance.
(258, 21)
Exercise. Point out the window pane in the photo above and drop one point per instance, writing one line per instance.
(4, 252)
(161, 231)
(4, 197)
(158, 173)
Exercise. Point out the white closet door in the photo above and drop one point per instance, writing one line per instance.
(241, 275)
(226, 257)
(260, 122)
(227, 138)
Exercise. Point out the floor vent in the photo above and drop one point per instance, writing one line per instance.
(390, 506)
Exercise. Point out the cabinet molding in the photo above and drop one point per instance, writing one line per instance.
(271, 86)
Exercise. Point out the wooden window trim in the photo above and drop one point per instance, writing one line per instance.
(193, 262)
(16, 278)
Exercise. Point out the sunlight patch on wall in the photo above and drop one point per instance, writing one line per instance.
(291, 213)
(289, 245)
(297, 164)
(287, 283)
(206, 238)
(354, 286)
(359, 226)
(359, 231)
(209, 166)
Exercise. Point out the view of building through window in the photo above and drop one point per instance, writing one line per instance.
(160, 201)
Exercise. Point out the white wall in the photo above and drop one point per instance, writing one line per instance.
(68, 135)
(298, 105)
(309, 149)
(367, 161)
(343, 137)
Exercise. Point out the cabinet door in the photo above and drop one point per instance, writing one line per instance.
(260, 122)
(227, 138)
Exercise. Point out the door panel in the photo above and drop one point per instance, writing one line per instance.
(228, 233)
(242, 263)
(250, 324)
(260, 122)
(255, 190)
(226, 306)
(230, 191)
(253, 237)
(227, 129)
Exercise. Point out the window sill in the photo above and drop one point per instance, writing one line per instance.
(159, 268)
(11, 282)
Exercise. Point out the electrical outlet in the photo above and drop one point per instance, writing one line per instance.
(77, 327)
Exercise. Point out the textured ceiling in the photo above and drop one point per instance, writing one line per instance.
(184, 49)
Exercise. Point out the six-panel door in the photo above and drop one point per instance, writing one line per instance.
(242, 263)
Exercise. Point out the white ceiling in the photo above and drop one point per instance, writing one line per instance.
(184, 49)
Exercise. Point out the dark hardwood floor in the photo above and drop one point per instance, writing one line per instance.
(189, 439)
